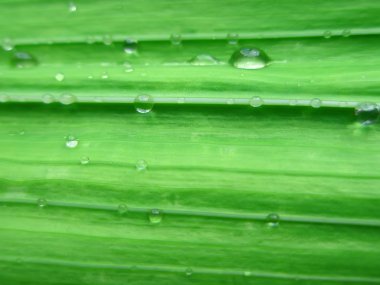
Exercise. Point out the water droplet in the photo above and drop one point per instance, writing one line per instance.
(67, 99)
(127, 67)
(141, 165)
(346, 33)
(233, 39)
(107, 40)
(144, 103)
(367, 113)
(85, 160)
(256, 101)
(130, 46)
(72, 7)
(104, 75)
(23, 60)
(327, 34)
(249, 58)
(181, 100)
(7, 44)
(41, 203)
(48, 98)
(273, 220)
(203, 59)
(122, 209)
(59, 76)
(72, 142)
(176, 39)
(315, 103)
(247, 273)
(188, 271)
(155, 216)
(230, 101)
(4, 98)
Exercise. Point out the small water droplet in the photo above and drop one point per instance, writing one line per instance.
(181, 100)
(104, 75)
(176, 39)
(72, 7)
(230, 101)
(367, 113)
(41, 203)
(85, 160)
(144, 103)
(141, 165)
(59, 76)
(203, 59)
(249, 58)
(327, 34)
(346, 33)
(67, 99)
(130, 46)
(4, 98)
(122, 209)
(23, 60)
(233, 39)
(256, 101)
(247, 273)
(90, 76)
(47, 98)
(188, 271)
(273, 220)
(316, 103)
(71, 142)
(155, 216)
(7, 44)
(127, 67)
(107, 40)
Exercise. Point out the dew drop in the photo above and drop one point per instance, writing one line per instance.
(181, 100)
(316, 103)
(273, 220)
(104, 75)
(188, 271)
(23, 60)
(176, 39)
(203, 59)
(230, 101)
(127, 67)
(85, 160)
(59, 76)
(233, 39)
(144, 103)
(367, 113)
(346, 33)
(130, 46)
(122, 209)
(71, 142)
(155, 216)
(47, 98)
(249, 58)
(41, 203)
(7, 45)
(72, 7)
(107, 40)
(67, 99)
(327, 34)
(256, 101)
(247, 273)
(141, 165)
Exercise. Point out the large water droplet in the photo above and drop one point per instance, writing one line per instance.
(130, 46)
(141, 165)
(47, 98)
(67, 99)
(7, 44)
(23, 60)
(71, 142)
(176, 39)
(59, 76)
(122, 209)
(256, 101)
(155, 216)
(273, 220)
(316, 103)
(41, 203)
(367, 113)
(249, 58)
(204, 59)
(144, 103)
